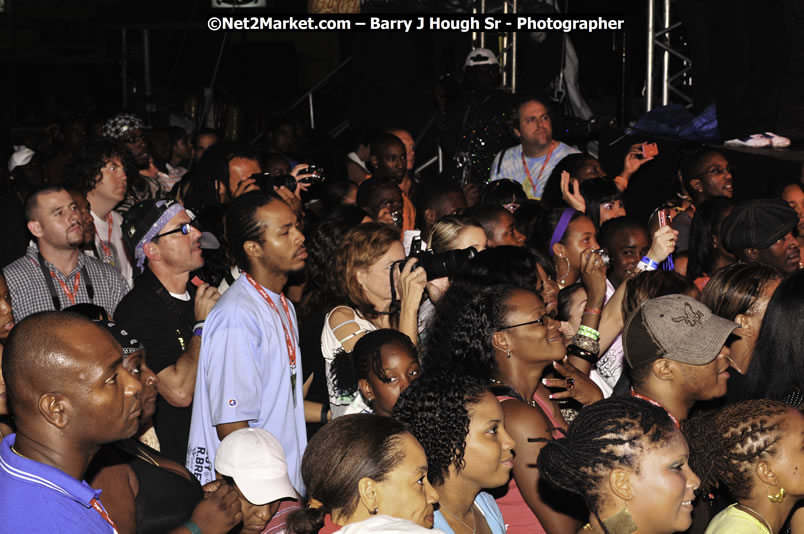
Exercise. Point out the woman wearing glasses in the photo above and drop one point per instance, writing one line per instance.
(503, 336)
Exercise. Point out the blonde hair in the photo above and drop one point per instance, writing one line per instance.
(445, 232)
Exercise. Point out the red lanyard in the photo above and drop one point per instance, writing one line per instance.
(648, 399)
(107, 251)
(288, 339)
(98, 508)
(544, 164)
(70, 294)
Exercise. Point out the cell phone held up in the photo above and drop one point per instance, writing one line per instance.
(649, 150)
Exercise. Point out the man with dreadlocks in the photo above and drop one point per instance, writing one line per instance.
(754, 450)
(628, 461)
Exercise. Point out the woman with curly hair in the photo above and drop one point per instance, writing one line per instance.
(628, 460)
(503, 336)
(459, 423)
(754, 450)
(360, 279)
(365, 473)
(382, 365)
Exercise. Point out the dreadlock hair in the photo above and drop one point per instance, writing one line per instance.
(609, 434)
(241, 223)
(460, 334)
(343, 452)
(436, 410)
(366, 358)
(725, 445)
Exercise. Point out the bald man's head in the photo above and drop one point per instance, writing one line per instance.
(61, 368)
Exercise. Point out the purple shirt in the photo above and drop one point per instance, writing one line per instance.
(39, 499)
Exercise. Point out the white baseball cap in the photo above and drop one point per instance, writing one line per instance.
(480, 56)
(253, 457)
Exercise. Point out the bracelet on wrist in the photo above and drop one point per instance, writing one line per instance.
(574, 350)
(591, 311)
(192, 527)
(198, 329)
(589, 332)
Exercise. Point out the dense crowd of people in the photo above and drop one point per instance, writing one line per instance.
(373, 351)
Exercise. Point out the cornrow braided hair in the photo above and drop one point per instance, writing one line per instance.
(724, 445)
(607, 435)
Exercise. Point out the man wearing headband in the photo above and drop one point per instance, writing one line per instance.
(166, 312)
(54, 273)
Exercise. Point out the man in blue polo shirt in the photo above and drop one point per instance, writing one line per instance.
(69, 394)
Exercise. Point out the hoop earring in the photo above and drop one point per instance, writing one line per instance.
(562, 278)
(778, 498)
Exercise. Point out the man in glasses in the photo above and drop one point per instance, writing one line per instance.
(166, 311)
(705, 174)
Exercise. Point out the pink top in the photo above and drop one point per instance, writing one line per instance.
(519, 518)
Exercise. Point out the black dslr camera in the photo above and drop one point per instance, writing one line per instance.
(438, 265)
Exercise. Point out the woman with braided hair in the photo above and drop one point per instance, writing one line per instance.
(755, 449)
(628, 460)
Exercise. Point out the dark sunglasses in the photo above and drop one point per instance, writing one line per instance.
(185, 229)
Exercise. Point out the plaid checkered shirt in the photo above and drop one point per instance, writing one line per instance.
(30, 292)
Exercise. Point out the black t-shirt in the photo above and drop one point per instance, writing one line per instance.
(164, 324)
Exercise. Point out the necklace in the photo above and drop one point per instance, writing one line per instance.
(760, 516)
(472, 528)
(15, 451)
(530, 402)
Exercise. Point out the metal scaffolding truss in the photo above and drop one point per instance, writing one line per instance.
(506, 41)
(663, 37)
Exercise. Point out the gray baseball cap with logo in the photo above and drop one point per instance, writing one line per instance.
(676, 327)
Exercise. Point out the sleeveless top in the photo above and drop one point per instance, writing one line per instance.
(165, 500)
(342, 404)
(519, 518)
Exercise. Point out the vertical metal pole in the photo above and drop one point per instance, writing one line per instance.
(482, 34)
(504, 48)
(146, 46)
(649, 66)
(474, 33)
(440, 160)
(666, 55)
(312, 115)
(124, 67)
(623, 80)
(513, 58)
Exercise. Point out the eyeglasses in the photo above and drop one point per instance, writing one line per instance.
(541, 321)
(185, 229)
(717, 171)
